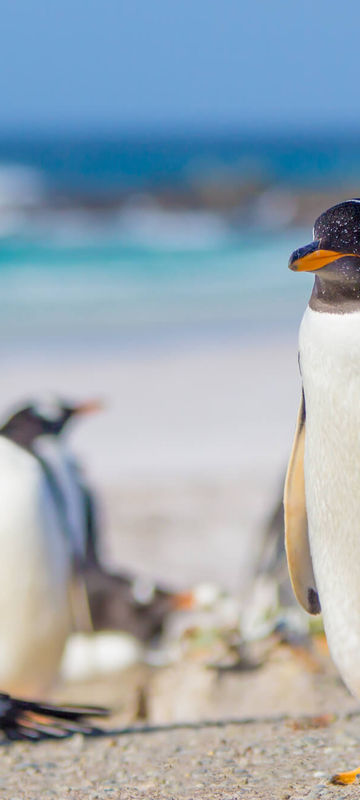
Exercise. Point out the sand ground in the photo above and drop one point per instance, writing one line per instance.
(189, 452)
(188, 458)
(270, 760)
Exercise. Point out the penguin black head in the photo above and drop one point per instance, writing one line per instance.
(42, 419)
(336, 240)
(334, 257)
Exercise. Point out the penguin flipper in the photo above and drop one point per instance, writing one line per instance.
(296, 527)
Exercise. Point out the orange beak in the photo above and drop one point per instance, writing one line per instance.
(90, 407)
(312, 257)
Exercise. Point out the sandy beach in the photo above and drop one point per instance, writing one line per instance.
(189, 452)
(188, 459)
(161, 166)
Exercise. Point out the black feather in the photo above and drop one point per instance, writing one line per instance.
(27, 719)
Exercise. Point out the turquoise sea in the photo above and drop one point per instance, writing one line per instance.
(112, 293)
(149, 276)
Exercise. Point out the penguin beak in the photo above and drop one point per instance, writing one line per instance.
(90, 407)
(312, 257)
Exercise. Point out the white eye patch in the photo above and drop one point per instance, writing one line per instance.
(48, 408)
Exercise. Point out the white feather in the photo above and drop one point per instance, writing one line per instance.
(35, 567)
(330, 366)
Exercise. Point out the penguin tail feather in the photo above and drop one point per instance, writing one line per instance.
(27, 719)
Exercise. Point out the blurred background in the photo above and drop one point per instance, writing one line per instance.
(158, 163)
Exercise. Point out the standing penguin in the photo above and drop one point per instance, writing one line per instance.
(39, 428)
(101, 599)
(322, 489)
(40, 543)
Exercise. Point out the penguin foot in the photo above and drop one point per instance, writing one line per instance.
(342, 778)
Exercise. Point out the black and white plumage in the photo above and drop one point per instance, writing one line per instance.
(114, 600)
(40, 429)
(41, 539)
(322, 490)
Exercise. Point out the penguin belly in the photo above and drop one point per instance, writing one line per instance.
(35, 572)
(330, 367)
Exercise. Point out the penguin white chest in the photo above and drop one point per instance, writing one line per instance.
(34, 575)
(330, 367)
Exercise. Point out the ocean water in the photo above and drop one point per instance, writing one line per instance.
(100, 163)
(148, 277)
(108, 292)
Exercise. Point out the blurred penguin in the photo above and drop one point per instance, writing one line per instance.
(114, 601)
(39, 428)
(42, 539)
(272, 557)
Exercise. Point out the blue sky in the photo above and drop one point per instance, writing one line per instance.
(195, 64)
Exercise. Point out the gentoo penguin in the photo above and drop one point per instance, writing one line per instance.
(39, 545)
(116, 600)
(322, 489)
(39, 427)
